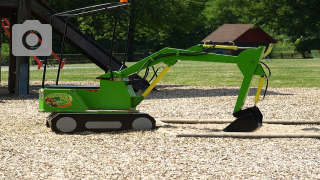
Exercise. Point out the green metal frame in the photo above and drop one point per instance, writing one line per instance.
(116, 95)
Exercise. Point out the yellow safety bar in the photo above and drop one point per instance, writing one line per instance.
(153, 84)
(268, 51)
(256, 100)
(221, 46)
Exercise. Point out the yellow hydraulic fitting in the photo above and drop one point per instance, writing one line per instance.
(256, 100)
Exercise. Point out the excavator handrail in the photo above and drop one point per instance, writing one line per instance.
(5, 21)
(88, 7)
(101, 9)
(268, 51)
(68, 15)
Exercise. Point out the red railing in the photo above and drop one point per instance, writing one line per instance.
(5, 21)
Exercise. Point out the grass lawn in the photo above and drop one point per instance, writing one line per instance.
(285, 73)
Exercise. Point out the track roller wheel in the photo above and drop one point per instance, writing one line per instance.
(142, 123)
(64, 125)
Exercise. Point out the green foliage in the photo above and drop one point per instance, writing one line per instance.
(5, 52)
(305, 45)
(286, 20)
(62, 6)
(284, 44)
(156, 24)
(283, 47)
(4, 37)
(183, 23)
(292, 18)
(219, 12)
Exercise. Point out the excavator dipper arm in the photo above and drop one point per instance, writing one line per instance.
(248, 63)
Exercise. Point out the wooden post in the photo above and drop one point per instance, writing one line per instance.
(249, 135)
(9, 3)
(12, 58)
(0, 48)
(23, 65)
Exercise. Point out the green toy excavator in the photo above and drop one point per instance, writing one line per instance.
(112, 105)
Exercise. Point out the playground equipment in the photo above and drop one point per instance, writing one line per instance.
(268, 51)
(5, 24)
(18, 11)
(112, 105)
(79, 41)
(315, 54)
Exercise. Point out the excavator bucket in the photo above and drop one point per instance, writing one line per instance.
(248, 120)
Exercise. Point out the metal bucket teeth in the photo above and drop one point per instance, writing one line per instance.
(248, 120)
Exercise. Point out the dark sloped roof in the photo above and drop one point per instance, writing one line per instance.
(228, 32)
(231, 32)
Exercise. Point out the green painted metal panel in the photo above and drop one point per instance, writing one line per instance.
(115, 95)
(247, 62)
(60, 100)
(91, 97)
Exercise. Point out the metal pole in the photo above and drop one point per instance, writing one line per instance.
(113, 38)
(62, 48)
(72, 15)
(46, 60)
(89, 7)
(128, 36)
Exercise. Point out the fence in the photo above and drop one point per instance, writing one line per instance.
(81, 59)
(286, 56)
(315, 54)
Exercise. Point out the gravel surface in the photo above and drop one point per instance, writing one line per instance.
(29, 150)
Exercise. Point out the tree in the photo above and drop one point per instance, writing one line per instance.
(155, 24)
(62, 6)
(219, 12)
(168, 23)
(5, 52)
(296, 19)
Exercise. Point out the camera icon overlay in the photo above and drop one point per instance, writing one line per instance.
(31, 39)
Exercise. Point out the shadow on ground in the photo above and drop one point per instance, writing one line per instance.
(6, 95)
(162, 92)
(178, 91)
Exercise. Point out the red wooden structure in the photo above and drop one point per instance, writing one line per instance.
(245, 35)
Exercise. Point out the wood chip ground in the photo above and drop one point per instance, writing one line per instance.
(30, 150)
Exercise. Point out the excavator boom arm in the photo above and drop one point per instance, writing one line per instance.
(248, 63)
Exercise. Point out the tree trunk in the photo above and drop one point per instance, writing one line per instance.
(131, 46)
(131, 36)
(0, 51)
